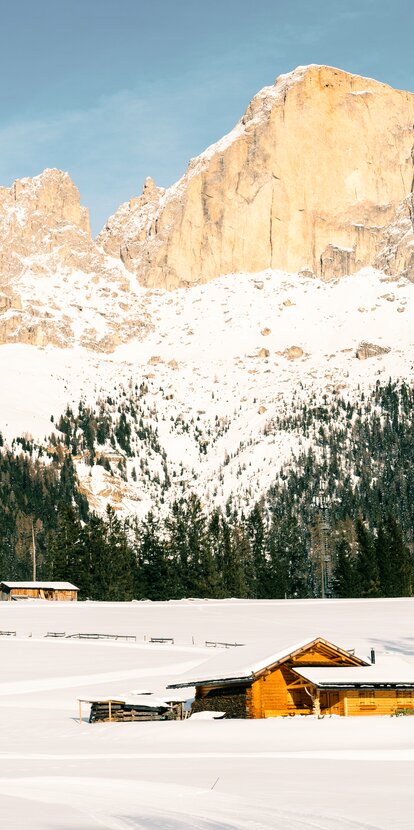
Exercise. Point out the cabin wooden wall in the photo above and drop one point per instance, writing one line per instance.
(376, 701)
(41, 593)
(270, 696)
(25, 592)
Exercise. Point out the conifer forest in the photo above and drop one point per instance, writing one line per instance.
(337, 521)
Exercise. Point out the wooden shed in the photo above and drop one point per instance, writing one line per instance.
(131, 707)
(55, 591)
(312, 677)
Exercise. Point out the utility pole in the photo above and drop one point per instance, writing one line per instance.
(321, 553)
(33, 553)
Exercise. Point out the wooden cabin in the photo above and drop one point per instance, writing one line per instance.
(55, 591)
(309, 678)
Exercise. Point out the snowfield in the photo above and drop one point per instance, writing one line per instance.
(285, 774)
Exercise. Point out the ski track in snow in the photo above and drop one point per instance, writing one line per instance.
(165, 808)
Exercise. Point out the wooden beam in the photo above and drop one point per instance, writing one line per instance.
(316, 704)
(298, 684)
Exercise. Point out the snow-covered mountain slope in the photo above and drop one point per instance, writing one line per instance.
(56, 285)
(209, 377)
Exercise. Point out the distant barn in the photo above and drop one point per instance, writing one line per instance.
(55, 591)
(313, 677)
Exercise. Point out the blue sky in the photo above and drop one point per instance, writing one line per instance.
(115, 90)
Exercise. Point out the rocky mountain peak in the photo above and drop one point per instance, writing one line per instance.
(311, 178)
(51, 194)
(57, 286)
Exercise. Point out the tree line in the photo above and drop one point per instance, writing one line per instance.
(359, 454)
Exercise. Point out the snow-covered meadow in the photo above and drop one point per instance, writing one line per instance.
(295, 773)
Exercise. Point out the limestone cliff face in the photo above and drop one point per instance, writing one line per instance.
(38, 215)
(56, 285)
(312, 178)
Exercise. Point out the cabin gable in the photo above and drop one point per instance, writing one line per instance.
(279, 690)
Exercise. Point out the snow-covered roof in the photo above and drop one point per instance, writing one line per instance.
(243, 662)
(47, 586)
(387, 671)
(140, 701)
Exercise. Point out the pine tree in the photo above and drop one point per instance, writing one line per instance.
(228, 553)
(121, 562)
(384, 560)
(63, 561)
(189, 549)
(400, 559)
(366, 564)
(257, 531)
(345, 573)
(154, 568)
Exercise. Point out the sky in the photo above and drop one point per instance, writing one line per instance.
(114, 91)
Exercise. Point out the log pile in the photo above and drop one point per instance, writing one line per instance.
(233, 703)
(124, 713)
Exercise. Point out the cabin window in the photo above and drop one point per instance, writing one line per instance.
(367, 699)
(404, 694)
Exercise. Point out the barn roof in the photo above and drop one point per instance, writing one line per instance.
(387, 671)
(48, 586)
(242, 663)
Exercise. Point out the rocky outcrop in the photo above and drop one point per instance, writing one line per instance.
(397, 253)
(311, 179)
(42, 216)
(56, 285)
(366, 350)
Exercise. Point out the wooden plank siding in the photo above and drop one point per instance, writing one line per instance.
(42, 593)
(377, 701)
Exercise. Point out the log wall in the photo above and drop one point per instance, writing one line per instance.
(377, 701)
(270, 696)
